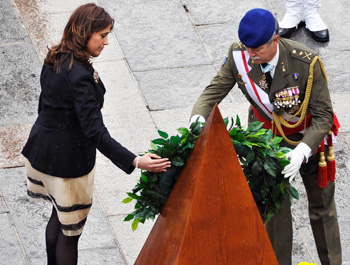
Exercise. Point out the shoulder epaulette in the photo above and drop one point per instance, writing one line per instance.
(238, 46)
(306, 56)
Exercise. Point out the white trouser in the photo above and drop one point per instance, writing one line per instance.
(299, 10)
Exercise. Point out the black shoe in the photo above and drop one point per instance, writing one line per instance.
(286, 33)
(320, 36)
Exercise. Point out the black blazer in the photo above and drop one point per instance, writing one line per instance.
(70, 127)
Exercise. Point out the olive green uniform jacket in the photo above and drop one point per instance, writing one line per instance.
(294, 58)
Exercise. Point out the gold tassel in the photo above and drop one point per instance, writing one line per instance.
(330, 159)
(322, 168)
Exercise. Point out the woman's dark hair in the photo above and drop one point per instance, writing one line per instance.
(85, 20)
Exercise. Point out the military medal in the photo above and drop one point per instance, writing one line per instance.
(263, 82)
(287, 100)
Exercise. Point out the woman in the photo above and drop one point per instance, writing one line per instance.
(61, 149)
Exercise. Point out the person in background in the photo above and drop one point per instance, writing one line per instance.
(273, 74)
(299, 12)
(60, 152)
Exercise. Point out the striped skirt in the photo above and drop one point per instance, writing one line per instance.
(71, 197)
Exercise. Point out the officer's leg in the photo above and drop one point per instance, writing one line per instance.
(323, 215)
(280, 231)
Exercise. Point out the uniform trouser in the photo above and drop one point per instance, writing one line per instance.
(323, 219)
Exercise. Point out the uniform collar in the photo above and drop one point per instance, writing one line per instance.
(274, 60)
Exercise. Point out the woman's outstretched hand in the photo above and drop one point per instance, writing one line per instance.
(152, 162)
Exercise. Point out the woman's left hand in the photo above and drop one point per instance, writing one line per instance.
(152, 162)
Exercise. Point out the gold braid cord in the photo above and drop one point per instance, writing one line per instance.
(278, 119)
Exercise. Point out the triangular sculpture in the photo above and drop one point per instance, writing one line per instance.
(210, 216)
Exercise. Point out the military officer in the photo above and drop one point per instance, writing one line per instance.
(273, 74)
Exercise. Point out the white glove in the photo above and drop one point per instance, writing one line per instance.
(296, 157)
(194, 118)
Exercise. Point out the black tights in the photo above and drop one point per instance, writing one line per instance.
(60, 249)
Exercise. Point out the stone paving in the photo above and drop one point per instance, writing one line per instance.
(161, 56)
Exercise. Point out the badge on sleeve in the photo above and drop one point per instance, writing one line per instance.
(224, 61)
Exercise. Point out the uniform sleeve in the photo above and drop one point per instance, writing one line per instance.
(91, 121)
(320, 106)
(217, 90)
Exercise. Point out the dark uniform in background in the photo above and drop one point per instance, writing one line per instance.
(290, 76)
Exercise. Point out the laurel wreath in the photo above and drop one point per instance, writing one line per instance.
(261, 158)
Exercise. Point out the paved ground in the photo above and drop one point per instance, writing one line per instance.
(161, 56)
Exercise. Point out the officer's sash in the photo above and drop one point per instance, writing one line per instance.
(258, 95)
